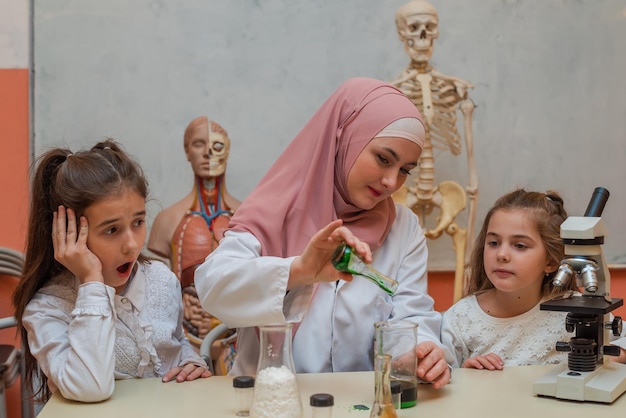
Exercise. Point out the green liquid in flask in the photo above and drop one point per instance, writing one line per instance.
(345, 259)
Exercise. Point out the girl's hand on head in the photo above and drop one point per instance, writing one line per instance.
(70, 246)
(314, 264)
(187, 372)
(490, 361)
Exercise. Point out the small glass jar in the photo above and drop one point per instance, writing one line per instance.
(244, 393)
(396, 391)
(322, 405)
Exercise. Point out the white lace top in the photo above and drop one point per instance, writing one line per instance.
(526, 339)
(85, 336)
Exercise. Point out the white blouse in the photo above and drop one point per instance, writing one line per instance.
(85, 336)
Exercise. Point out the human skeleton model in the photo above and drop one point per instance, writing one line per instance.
(438, 97)
(186, 232)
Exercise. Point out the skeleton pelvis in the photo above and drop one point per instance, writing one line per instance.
(450, 198)
(192, 241)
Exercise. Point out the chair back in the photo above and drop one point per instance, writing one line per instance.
(15, 399)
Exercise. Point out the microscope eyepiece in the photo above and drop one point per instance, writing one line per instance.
(596, 203)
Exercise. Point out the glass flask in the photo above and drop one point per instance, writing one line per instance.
(383, 403)
(276, 393)
(346, 259)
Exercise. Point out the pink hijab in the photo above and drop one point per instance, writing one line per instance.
(305, 188)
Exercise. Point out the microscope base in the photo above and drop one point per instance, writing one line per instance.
(605, 384)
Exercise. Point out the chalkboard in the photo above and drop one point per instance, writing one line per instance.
(549, 86)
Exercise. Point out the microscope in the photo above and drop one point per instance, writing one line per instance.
(588, 375)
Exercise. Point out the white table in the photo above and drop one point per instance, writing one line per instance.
(472, 393)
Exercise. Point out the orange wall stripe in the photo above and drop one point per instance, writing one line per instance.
(14, 157)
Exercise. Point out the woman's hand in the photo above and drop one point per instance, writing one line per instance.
(70, 246)
(432, 365)
(314, 264)
(187, 372)
(490, 361)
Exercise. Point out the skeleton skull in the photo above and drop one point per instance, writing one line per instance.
(418, 26)
(207, 147)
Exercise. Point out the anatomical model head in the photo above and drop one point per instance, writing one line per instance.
(418, 27)
(207, 147)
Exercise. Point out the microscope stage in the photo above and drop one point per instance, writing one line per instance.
(582, 304)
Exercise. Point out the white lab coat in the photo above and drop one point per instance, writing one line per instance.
(336, 330)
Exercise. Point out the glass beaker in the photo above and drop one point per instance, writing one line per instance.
(398, 338)
(383, 402)
(346, 259)
(276, 393)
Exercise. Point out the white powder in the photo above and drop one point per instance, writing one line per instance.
(276, 394)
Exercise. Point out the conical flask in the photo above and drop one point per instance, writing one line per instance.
(347, 260)
(276, 393)
(383, 403)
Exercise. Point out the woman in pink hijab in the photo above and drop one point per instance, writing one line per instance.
(332, 184)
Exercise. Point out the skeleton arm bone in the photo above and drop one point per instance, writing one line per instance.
(467, 109)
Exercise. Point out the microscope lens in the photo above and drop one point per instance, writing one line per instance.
(590, 278)
(563, 276)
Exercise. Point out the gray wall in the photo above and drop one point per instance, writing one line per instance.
(548, 74)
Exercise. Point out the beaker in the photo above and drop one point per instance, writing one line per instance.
(276, 393)
(346, 259)
(398, 338)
